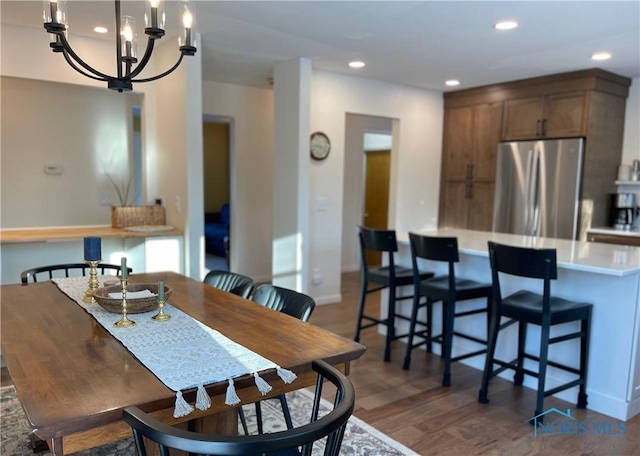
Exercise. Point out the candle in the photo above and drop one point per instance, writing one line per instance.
(123, 267)
(160, 291)
(92, 249)
(54, 10)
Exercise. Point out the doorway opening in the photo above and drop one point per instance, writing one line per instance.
(366, 139)
(377, 169)
(217, 199)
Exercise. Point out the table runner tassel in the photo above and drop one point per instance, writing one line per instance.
(286, 375)
(182, 407)
(262, 385)
(203, 401)
(232, 398)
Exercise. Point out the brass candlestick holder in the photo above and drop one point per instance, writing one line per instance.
(161, 316)
(124, 322)
(93, 281)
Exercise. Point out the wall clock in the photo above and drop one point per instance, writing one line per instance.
(319, 145)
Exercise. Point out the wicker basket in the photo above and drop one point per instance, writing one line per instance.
(124, 216)
(135, 305)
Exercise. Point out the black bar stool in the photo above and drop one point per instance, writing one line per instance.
(390, 276)
(543, 310)
(450, 290)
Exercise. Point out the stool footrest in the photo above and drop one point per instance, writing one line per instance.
(469, 337)
(471, 312)
(553, 340)
(573, 370)
(468, 355)
(563, 387)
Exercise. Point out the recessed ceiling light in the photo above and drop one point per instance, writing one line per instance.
(356, 64)
(601, 56)
(452, 82)
(505, 25)
(100, 29)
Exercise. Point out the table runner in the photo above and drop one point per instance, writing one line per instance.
(182, 352)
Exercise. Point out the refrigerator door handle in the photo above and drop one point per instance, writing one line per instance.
(528, 196)
(535, 206)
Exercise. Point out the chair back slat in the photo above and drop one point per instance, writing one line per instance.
(435, 248)
(231, 282)
(283, 300)
(523, 261)
(378, 240)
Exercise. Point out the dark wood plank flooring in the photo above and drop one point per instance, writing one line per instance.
(413, 408)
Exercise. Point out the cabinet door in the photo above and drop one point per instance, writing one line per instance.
(564, 115)
(454, 204)
(487, 125)
(522, 118)
(458, 143)
(480, 206)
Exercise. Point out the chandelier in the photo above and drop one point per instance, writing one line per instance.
(126, 46)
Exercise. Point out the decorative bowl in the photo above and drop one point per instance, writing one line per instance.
(134, 305)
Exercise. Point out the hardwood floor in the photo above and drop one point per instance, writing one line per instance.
(413, 408)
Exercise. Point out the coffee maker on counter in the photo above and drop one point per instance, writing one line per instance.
(623, 206)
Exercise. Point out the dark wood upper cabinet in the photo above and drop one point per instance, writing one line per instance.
(551, 116)
(588, 104)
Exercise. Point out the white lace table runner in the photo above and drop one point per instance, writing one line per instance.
(182, 352)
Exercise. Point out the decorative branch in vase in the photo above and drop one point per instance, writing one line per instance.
(121, 190)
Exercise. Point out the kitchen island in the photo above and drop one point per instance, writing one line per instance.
(608, 276)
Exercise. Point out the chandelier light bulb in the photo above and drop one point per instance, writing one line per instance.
(187, 19)
(128, 33)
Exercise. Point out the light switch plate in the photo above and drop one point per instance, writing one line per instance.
(55, 170)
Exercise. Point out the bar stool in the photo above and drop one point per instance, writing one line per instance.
(543, 310)
(390, 276)
(450, 290)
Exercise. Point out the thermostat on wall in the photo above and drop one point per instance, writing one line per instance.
(53, 169)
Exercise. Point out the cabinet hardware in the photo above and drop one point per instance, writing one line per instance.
(538, 129)
(544, 127)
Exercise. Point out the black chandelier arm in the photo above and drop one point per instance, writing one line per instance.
(76, 58)
(79, 70)
(145, 59)
(162, 75)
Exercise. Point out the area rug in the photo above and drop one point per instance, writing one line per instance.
(360, 438)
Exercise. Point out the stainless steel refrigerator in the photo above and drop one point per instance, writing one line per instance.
(538, 187)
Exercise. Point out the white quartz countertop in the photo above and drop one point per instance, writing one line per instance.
(609, 259)
(614, 232)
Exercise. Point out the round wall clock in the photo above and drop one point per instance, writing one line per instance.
(319, 145)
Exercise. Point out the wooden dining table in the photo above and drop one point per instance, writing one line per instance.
(74, 379)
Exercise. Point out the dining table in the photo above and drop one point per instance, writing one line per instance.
(74, 378)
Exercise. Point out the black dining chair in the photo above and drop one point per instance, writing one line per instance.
(541, 309)
(388, 277)
(449, 289)
(327, 429)
(290, 302)
(66, 270)
(232, 282)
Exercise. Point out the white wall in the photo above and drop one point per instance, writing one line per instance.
(88, 138)
(415, 168)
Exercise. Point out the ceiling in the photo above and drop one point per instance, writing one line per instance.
(414, 43)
